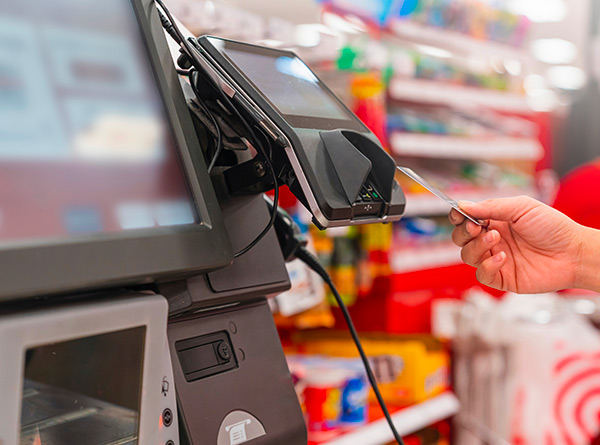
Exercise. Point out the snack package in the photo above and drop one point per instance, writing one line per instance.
(408, 369)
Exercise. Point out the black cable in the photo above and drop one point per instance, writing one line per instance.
(173, 30)
(311, 261)
(258, 145)
(219, 136)
(217, 151)
(168, 26)
(273, 210)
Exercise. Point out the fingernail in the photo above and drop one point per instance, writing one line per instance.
(466, 203)
(471, 226)
(499, 257)
(490, 237)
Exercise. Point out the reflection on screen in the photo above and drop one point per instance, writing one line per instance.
(288, 84)
(85, 391)
(84, 144)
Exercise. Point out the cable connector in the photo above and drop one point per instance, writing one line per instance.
(168, 27)
(289, 235)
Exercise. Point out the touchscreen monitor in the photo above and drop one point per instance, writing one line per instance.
(102, 176)
(85, 145)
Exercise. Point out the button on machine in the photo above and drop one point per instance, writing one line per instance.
(223, 350)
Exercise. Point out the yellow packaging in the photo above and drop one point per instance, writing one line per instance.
(408, 369)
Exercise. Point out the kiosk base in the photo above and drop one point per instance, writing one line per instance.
(232, 380)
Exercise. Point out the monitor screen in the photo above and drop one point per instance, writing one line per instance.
(86, 391)
(286, 81)
(85, 145)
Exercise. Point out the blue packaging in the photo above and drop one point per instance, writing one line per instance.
(354, 401)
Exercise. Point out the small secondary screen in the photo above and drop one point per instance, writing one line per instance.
(287, 83)
(85, 391)
(85, 145)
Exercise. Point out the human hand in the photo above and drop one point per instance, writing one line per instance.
(528, 247)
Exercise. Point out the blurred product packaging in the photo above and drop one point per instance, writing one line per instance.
(527, 369)
(409, 369)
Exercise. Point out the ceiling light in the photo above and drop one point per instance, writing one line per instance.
(554, 51)
(566, 77)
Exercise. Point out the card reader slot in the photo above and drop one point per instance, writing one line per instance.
(383, 165)
(350, 165)
(368, 194)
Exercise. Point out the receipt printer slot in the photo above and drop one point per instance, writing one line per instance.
(206, 355)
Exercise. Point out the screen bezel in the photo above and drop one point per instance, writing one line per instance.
(295, 121)
(36, 267)
(22, 330)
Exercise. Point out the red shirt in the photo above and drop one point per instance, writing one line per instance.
(579, 195)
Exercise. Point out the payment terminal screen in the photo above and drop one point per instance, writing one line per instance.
(287, 83)
(85, 146)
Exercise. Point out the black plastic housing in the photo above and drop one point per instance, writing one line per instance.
(324, 161)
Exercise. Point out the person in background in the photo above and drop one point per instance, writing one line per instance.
(578, 195)
(528, 247)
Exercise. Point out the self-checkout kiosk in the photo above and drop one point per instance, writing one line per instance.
(124, 317)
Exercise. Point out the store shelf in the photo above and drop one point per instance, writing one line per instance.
(431, 92)
(484, 148)
(428, 205)
(424, 257)
(455, 42)
(407, 421)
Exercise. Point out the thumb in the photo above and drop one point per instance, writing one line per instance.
(500, 209)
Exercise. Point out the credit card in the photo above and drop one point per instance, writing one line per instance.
(437, 192)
